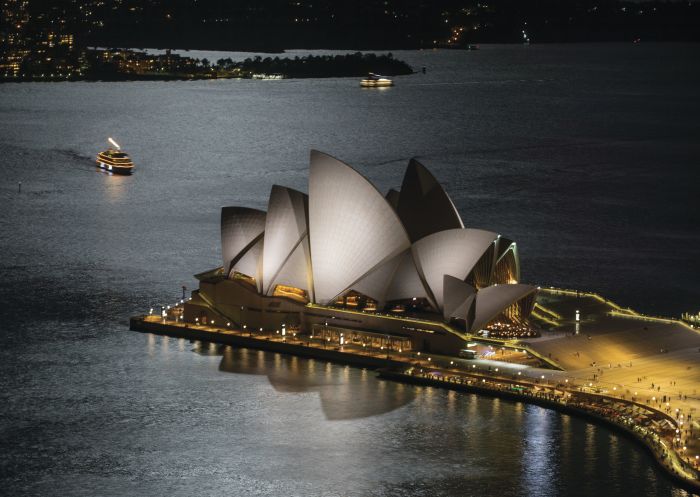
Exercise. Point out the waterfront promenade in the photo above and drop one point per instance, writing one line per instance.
(636, 373)
(627, 355)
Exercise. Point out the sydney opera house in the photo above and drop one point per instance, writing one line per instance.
(349, 265)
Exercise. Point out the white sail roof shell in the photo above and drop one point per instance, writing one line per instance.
(352, 227)
(494, 299)
(508, 253)
(453, 252)
(423, 205)
(406, 283)
(249, 262)
(241, 227)
(296, 270)
(285, 228)
(392, 196)
(459, 298)
(376, 282)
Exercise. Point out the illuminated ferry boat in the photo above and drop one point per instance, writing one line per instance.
(376, 81)
(114, 160)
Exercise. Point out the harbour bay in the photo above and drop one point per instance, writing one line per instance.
(501, 125)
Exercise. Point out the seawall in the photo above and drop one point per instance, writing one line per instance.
(251, 342)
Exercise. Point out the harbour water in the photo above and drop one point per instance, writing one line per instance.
(586, 155)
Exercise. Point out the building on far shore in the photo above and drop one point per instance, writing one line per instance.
(350, 266)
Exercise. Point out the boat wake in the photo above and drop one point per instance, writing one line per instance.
(76, 159)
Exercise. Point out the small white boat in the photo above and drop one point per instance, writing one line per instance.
(376, 81)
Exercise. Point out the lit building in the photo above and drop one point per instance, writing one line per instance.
(14, 36)
(346, 263)
(35, 42)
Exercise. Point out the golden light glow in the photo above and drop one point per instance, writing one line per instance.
(376, 83)
(290, 292)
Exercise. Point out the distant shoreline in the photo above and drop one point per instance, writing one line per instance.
(116, 65)
(135, 78)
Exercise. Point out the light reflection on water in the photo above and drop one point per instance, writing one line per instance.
(340, 398)
(116, 189)
(539, 452)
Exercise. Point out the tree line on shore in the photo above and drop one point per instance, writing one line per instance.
(122, 65)
(318, 66)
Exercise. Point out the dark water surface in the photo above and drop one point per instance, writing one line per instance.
(586, 155)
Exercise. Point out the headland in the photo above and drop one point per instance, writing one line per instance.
(396, 282)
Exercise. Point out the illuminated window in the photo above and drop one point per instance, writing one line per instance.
(291, 292)
(244, 278)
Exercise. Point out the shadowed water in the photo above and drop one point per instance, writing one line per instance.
(586, 155)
